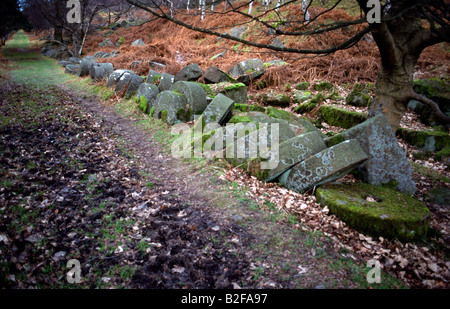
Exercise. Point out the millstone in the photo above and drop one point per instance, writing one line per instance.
(288, 154)
(376, 211)
(171, 107)
(325, 166)
(194, 94)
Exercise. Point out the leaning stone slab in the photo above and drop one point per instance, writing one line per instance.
(190, 72)
(286, 155)
(114, 77)
(124, 82)
(376, 211)
(85, 66)
(216, 112)
(214, 75)
(135, 82)
(146, 94)
(247, 70)
(235, 91)
(194, 94)
(166, 82)
(325, 166)
(387, 162)
(171, 107)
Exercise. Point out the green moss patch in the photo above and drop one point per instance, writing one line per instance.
(248, 108)
(143, 104)
(425, 140)
(339, 117)
(376, 211)
(309, 105)
(320, 86)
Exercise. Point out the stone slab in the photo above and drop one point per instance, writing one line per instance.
(325, 166)
(286, 155)
(387, 162)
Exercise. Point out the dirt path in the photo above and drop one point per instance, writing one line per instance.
(82, 182)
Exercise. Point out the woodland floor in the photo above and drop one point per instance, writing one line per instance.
(91, 180)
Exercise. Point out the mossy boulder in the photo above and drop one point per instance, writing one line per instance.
(323, 85)
(274, 99)
(435, 89)
(376, 211)
(241, 107)
(146, 94)
(425, 140)
(171, 107)
(194, 94)
(300, 96)
(443, 155)
(308, 106)
(235, 91)
(340, 117)
(302, 86)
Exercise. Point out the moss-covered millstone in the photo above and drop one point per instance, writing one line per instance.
(171, 107)
(340, 117)
(146, 94)
(217, 111)
(135, 82)
(376, 211)
(114, 77)
(153, 77)
(425, 140)
(166, 81)
(124, 82)
(194, 94)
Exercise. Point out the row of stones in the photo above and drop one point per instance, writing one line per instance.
(303, 159)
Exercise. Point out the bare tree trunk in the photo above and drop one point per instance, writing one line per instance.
(393, 90)
(58, 34)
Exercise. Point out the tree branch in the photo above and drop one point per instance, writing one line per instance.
(344, 45)
(433, 105)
